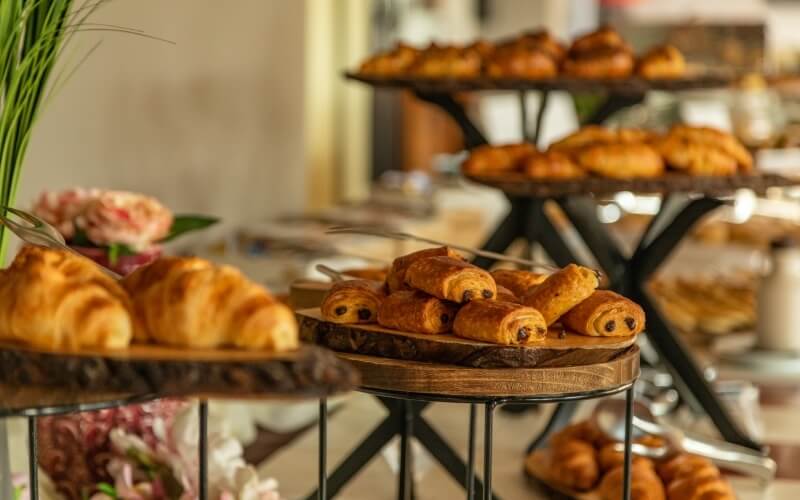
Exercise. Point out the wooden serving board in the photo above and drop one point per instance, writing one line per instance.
(161, 371)
(374, 340)
(537, 468)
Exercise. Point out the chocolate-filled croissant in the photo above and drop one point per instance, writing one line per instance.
(415, 311)
(520, 282)
(498, 322)
(506, 295)
(605, 314)
(451, 279)
(353, 301)
(562, 291)
(396, 279)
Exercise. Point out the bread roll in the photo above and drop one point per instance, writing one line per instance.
(451, 279)
(605, 314)
(353, 301)
(415, 311)
(562, 291)
(498, 322)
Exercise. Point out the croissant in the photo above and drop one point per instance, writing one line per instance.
(498, 322)
(488, 159)
(574, 464)
(585, 430)
(396, 279)
(717, 138)
(562, 291)
(605, 314)
(552, 165)
(51, 299)
(415, 311)
(683, 465)
(353, 301)
(689, 477)
(622, 161)
(518, 281)
(190, 302)
(506, 295)
(645, 484)
(451, 279)
(585, 136)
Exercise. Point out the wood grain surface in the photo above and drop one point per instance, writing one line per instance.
(374, 340)
(310, 371)
(449, 380)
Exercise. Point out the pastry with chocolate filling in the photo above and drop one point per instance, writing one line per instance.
(505, 295)
(518, 281)
(662, 63)
(562, 291)
(622, 161)
(396, 278)
(605, 314)
(451, 279)
(552, 165)
(353, 301)
(415, 311)
(501, 323)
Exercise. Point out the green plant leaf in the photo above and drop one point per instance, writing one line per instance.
(107, 489)
(117, 250)
(183, 224)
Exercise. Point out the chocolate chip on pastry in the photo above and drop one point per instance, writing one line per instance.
(353, 301)
(499, 322)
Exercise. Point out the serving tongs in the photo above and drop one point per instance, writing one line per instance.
(38, 232)
(397, 235)
(609, 416)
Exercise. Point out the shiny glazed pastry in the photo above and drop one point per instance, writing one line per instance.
(392, 63)
(562, 291)
(716, 138)
(603, 37)
(498, 322)
(447, 62)
(584, 136)
(605, 314)
(353, 301)
(696, 158)
(622, 161)
(574, 464)
(51, 299)
(518, 61)
(506, 295)
(190, 302)
(414, 311)
(451, 279)
(602, 63)
(518, 281)
(662, 63)
(552, 165)
(543, 40)
(488, 159)
(645, 483)
(396, 279)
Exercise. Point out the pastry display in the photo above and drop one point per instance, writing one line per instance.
(450, 278)
(353, 301)
(499, 322)
(190, 302)
(623, 154)
(415, 311)
(52, 299)
(396, 279)
(518, 281)
(562, 291)
(605, 314)
(601, 54)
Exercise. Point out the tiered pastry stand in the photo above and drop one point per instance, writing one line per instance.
(408, 371)
(36, 383)
(685, 200)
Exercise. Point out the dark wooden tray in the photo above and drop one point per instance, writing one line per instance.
(670, 182)
(632, 85)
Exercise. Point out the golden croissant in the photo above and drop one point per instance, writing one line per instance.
(51, 299)
(190, 302)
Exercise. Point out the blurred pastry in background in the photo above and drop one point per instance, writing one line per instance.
(662, 63)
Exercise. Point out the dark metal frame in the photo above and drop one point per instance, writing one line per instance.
(405, 419)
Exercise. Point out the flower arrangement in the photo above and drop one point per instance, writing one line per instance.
(118, 229)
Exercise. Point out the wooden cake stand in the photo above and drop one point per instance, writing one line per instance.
(35, 382)
(408, 371)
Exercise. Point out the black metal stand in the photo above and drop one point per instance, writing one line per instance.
(202, 445)
(405, 419)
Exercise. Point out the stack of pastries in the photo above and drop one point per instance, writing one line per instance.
(55, 300)
(435, 291)
(582, 459)
(617, 154)
(601, 54)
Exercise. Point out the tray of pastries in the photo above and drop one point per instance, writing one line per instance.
(596, 159)
(435, 306)
(536, 60)
(581, 463)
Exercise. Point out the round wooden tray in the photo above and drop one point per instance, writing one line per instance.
(373, 340)
(150, 371)
(671, 182)
(627, 86)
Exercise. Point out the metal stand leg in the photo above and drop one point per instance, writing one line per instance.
(202, 479)
(470, 479)
(406, 433)
(626, 481)
(487, 450)
(33, 462)
(322, 481)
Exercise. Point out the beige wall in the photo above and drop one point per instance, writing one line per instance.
(212, 124)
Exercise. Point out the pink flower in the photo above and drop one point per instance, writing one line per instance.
(61, 208)
(122, 217)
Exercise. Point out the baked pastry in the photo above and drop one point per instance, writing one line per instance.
(506, 295)
(645, 484)
(353, 301)
(396, 279)
(544, 41)
(447, 62)
(394, 62)
(367, 273)
(51, 299)
(697, 158)
(488, 159)
(562, 291)
(415, 311)
(662, 63)
(605, 63)
(718, 139)
(634, 135)
(523, 62)
(584, 136)
(499, 322)
(683, 465)
(585, 430)
(574, 464)
(605, 314)
(700, 487)
(603, 37)
(622, 161)
(552, 165)
(450, 278)
(190, 302)
(518, 281)
(609, 457)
